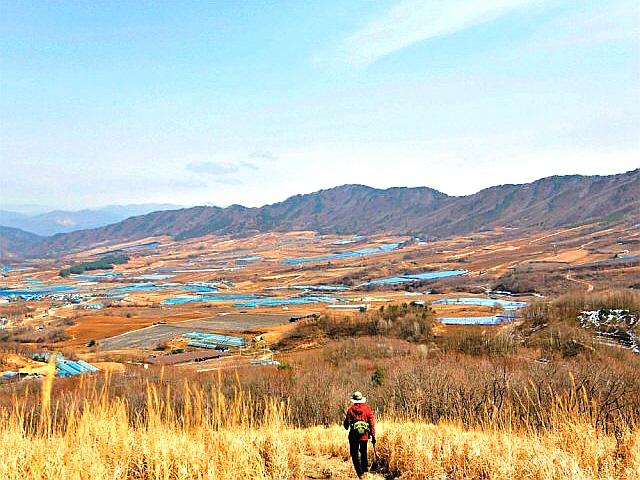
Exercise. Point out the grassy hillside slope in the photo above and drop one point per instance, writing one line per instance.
(101, 440)
(545, 399)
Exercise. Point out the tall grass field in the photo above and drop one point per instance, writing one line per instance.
(94, 435)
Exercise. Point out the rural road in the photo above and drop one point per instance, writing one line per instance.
(588, 285)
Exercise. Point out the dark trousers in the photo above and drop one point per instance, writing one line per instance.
(358, 450)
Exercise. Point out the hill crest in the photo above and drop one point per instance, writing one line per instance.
(548, 202)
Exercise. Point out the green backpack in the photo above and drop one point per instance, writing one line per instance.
(361, 427)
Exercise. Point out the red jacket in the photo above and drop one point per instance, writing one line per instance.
(356, 412)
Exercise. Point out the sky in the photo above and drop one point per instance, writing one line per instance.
(224, 102)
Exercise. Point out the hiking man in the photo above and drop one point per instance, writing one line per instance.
(361, 424)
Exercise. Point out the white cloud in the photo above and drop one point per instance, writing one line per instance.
(263, 155)
(412, 21)
(600, 23)
(249, 165)
(212, 168)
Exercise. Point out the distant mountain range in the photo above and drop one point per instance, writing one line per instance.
(546, 203)
(14, 242)
(60, 221)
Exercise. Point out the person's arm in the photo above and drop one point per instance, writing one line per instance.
(346, 422)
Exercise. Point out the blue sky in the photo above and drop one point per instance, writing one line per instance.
(250, 102)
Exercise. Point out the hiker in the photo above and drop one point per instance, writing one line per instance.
(361, 424)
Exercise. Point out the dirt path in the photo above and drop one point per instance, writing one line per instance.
(583, 282)
(553, 234)
(334, 468)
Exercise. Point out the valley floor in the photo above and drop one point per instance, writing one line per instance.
(539, 399)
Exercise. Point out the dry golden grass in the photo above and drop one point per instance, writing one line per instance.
(98, 437)
(426, 451)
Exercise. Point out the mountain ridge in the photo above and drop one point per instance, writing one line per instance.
(12, 240)
(56, 221)
(548, 202)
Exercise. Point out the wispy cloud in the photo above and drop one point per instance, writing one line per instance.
(212, 168)
(228, 181)
(249, 165)
(263, 155)
(221, 172)
(600, 23)
(412, 21)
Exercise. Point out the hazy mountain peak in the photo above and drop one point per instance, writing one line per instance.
(63, 221)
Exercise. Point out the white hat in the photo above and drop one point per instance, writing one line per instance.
(357, 397)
